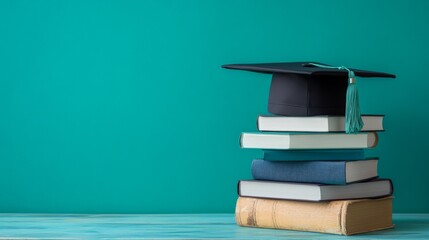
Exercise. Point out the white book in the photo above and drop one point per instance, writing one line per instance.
(314, 192)
(315, 123)
(308, 141)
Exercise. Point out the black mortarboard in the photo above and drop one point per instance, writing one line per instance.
(307, 88)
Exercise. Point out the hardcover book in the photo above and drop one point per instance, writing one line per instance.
(315, 123)
(324, 172)
(308, 141)
(314, 192)
(345, 217)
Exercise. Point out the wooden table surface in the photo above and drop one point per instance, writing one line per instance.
(177, 226)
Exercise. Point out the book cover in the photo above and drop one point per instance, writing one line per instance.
(323, 172)
(275, 123)
(375, 188)
(345, 217)
(286, 141)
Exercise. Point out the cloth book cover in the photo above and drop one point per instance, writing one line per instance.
(345, 217)
(323, 172)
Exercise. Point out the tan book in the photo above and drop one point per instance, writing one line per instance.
(344, 217)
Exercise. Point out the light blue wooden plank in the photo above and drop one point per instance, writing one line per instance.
(180, 226)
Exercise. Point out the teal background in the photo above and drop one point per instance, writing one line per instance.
(122, 107)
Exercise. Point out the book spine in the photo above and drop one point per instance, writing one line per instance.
(324, 172)
(345, 217)
(322, 217)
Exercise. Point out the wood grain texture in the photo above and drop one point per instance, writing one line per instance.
(183, 226)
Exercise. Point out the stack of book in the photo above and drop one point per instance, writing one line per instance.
(318, 179)
(314, 177)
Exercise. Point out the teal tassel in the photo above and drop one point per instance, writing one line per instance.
(354, 121)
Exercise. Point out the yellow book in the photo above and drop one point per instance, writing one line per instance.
(344, 217)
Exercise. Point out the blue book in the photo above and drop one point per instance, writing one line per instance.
(314, 155)
(322, 172)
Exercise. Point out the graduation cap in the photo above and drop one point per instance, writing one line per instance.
(309, 89)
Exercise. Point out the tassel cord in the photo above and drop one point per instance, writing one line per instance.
(353, 117)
